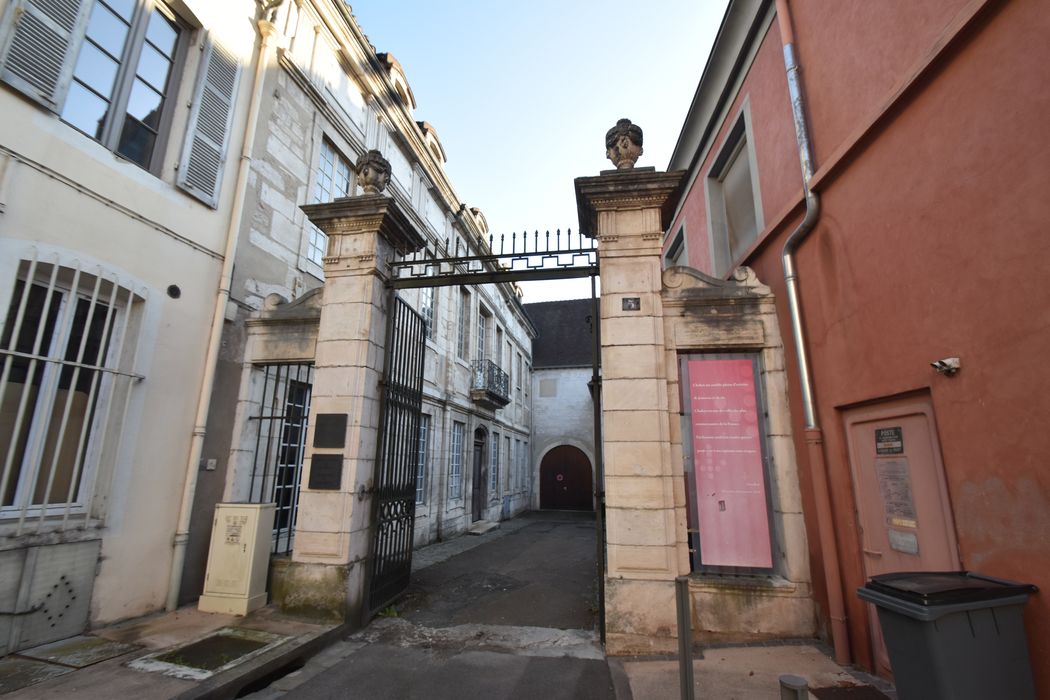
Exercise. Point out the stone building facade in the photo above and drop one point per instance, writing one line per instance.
(331, 98)
(153, 159)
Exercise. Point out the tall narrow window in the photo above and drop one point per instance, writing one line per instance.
(494, 465)
(483, 331)
(122, 80)
(426, 308)
(421, 457)
(463, 325)
(510, 461)
(517, 377)
(63, 346)
(735, 215)
(333, 180)
(455, 461)
(516, 481)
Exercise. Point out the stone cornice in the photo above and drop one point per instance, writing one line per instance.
(621, 190)
(364, 214)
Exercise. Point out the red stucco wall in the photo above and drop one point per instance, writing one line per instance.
(932, 242)
(780, 178)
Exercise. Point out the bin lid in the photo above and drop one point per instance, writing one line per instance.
(946, 587)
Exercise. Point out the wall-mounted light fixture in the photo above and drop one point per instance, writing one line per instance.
(947, 366)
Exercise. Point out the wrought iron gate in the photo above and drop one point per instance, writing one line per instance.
(394, 494)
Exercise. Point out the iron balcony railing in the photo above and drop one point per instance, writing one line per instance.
(490, 383)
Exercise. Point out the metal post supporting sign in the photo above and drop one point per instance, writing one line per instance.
(685, 637)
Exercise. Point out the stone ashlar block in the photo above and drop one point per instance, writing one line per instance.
(640, 616)
(308, 590)
(748, 610)
(642, 563)
(634, 395)
(639, 492)
(632, 362)
(323, 511)
(635, 426)
(640, 527)
(792, 541)
(630, 330)
(636, 458)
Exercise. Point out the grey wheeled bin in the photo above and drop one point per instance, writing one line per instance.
(954, 635)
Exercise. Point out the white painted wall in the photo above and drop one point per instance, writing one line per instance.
(563, 414)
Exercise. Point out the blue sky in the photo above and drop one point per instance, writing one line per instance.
(521, 94)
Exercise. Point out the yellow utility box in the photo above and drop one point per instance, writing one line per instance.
(235, 581)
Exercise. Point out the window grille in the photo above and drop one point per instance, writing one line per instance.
(455, 462)
(282, 422)
(421, 457)
(68, 350)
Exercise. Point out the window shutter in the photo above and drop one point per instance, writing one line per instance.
(39, 51)
(208, 132)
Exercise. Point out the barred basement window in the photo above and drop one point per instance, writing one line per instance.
(455, 461)
(68, 353)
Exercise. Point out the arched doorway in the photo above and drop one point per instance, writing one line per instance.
(565, 480)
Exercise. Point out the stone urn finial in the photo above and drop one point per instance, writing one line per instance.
(373, 172)
(623, 144)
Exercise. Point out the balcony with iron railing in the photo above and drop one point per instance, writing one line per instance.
(489, 385)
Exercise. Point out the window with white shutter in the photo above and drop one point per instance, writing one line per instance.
(108, 68)
(208, 133)
(38, 51)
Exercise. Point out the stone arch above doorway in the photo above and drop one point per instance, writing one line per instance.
(566, 480)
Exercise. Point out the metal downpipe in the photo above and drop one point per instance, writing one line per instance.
(211, 358)
(814, 435)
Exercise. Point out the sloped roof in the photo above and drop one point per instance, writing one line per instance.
(564, 337)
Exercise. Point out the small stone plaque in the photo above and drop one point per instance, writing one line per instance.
(330, 430)
(632, 303)
(326, 472)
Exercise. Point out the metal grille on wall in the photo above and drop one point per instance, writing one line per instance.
(67, 363)
(277, 466)
(394, 500)
(513, 258)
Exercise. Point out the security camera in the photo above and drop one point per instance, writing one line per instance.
(948, 366)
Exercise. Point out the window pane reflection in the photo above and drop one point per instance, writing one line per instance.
(96, 70)
(124, 8)
(136, 142)
(144, 104)
(162, 33)
(84, 110)
(154, 68)
(107, 30)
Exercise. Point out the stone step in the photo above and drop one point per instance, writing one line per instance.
(481, 527)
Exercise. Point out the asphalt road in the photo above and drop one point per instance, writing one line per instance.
(513, 617)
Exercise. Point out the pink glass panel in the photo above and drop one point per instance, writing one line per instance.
(730, 481)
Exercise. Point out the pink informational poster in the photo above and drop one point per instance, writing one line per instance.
(727, 453)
